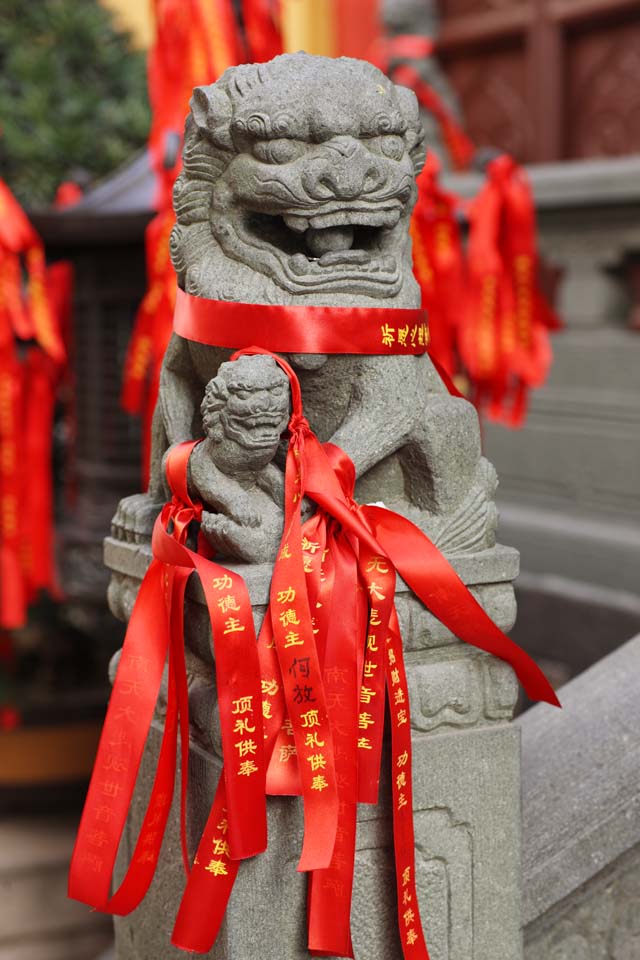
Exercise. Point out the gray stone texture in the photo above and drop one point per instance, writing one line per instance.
(245, 411)
(298, 185)
(581, 816)
(37, 920)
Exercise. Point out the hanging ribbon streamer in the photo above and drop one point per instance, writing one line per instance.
(438, 261)
(13, 589)
(504, 335)
(155, 634)
(460, 147)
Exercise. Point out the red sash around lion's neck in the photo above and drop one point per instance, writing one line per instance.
(289, 329)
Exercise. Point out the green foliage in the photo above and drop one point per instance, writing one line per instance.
(72, 94)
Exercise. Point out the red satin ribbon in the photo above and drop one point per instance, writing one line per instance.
(355, 551)
(284, 329)
(155, 632)
(328, 649)
(13, 589)
(439, 262)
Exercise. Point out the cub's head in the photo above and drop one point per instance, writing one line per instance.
(247, 402)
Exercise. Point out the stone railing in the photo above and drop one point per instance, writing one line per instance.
(581, 816)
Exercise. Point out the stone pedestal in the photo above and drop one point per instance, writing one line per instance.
(466, 796)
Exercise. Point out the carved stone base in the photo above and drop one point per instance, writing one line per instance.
(466, 797)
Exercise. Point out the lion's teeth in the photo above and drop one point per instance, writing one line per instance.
(327, 220)
(330, 240)
(299, 264)
(344, 256)
(363, 218)
(352, 261)
(297, 224)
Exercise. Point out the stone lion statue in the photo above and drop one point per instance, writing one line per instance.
(297, 188)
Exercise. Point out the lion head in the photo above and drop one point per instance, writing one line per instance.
(298, 182)
(247, 402)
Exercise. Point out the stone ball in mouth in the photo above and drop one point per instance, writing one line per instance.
(329, 239)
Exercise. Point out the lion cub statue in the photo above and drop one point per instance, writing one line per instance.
(245, 411)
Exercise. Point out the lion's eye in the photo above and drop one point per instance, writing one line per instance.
(277, 151)
(390, 146)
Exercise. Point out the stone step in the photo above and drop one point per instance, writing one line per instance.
(37, 920)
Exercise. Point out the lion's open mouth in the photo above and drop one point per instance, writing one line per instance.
(330, 241)
(257, 431)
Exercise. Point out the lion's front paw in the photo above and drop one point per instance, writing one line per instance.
(134, 518)
(231, 539)
(245, 516)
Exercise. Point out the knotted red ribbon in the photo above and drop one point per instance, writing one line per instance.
(329, 646)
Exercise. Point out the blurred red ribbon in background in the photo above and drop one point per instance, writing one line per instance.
(34, 320)
(504, 327)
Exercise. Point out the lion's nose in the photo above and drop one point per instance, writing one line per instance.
(348, 171)
(261, 403)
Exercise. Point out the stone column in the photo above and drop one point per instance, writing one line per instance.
(466, 797)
